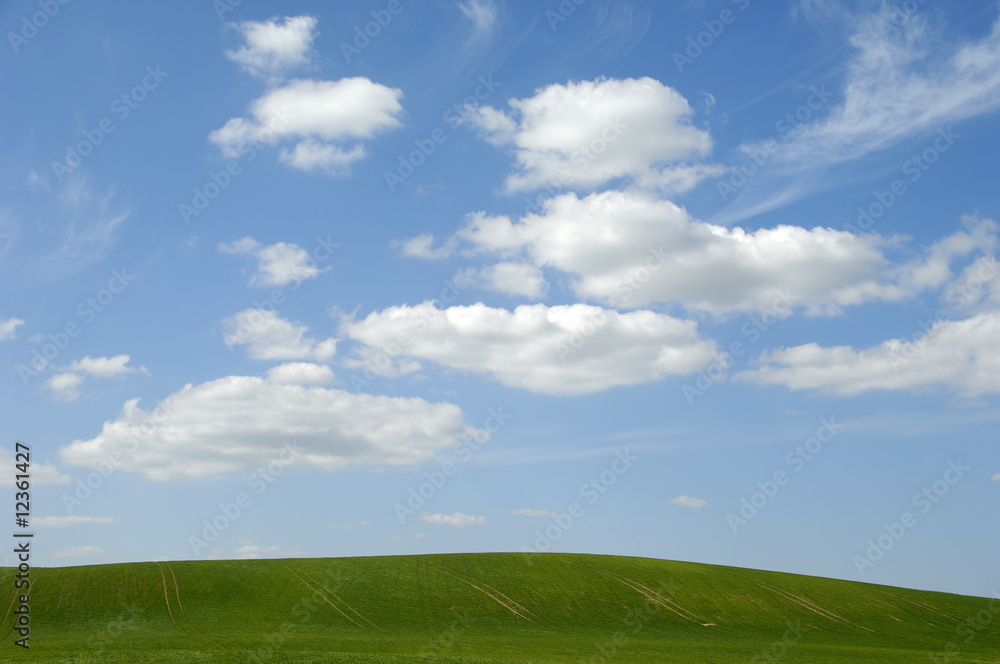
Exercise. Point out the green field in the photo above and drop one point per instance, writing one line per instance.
(500, 608)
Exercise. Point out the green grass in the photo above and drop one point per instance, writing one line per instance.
(484, 608)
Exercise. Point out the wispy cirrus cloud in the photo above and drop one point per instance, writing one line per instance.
(904, 79)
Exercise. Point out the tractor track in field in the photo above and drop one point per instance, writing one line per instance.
(815, 608)
(166, 597)
(492, 596)
(338, 598)
(177, 593)
(928, 607)
(326, 599)
(6, 615)
(659, 599)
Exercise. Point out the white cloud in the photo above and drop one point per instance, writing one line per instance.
(8, 328)
(252, 551)
(629, 248)
(312, 155)
(106, 367)
(531, 347)
(66, 384)
(482, 13)
(239, 422)
(271, 337)
(78, 552)
(457, 519)
(533, 513)
(278, 264)
(510, 278)
(41, 473)
(588, 133)
(688, 501)
(956, 355)
(996, 478)
(320, 116)
(64, 521)
(275, 46)
(82, 226)
(422, 246)
(900, 84)
(300, 373)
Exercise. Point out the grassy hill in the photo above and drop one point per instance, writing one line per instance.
(478, 608)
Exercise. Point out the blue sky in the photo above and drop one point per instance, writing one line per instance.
(715, 282)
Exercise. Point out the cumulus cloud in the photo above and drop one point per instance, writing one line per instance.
(560, 350)
(956, 355)
(327, 120)
(277, 264)
(300, 373)
(273, 47)
(106, 367)
(78, 552)
(268, 336)
(688, 501)
(457, 519)
(41, 473)
(422, 246)
(8, 328)
(64, 521)
(629, 248)
(239, 422)
(65, 385)
(511, 278)
(588, 133)
(634, 249)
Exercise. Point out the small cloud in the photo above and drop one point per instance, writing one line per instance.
(65, 385)
(277, 264)
(250, 551)
(996, 478)
(41, 473)
(531, 512)
(420, 536)
(348, 526)
(255, 550)
(106, 367)
(482, 13)
(63, 521)
(78, 552)
(688, 501)
(8, 328)
(396, 538)
(268, 336)
(422, 246)
(796, 412)
(275, 46)
(457, 519)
